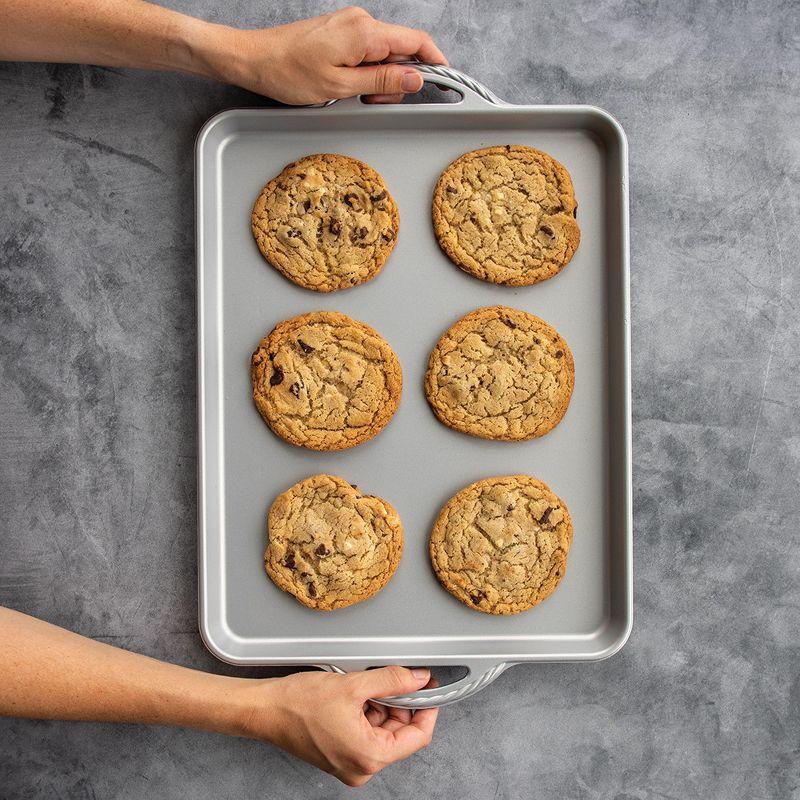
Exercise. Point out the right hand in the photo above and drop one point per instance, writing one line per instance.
(327, 719)
(328, 57)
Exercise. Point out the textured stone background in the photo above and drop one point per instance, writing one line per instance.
(97, 410)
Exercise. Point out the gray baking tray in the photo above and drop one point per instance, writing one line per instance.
(416, 462)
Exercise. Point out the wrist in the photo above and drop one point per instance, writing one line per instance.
(239, 707)
(201, 48)
(225, 54)
(193, 699)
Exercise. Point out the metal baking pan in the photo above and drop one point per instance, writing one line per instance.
(416, 462)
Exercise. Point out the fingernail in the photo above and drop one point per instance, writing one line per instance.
(419, 674)
(412, 81)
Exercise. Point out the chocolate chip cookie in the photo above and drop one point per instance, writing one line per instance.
(329, 545)
(500, 545)
(500, 373)
(507, 215)
(325, 381)
(327, 222)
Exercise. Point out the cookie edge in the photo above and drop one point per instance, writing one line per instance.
(488, 313)
(394, 373)
(376, 586)
(502, 609)
(442, 227)
(383, 254)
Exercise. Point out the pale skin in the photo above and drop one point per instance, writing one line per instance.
(50, 673)
(324, 58)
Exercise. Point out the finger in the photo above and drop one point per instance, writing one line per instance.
(396, 721)
(392, 725)
(402, 715)
(396, 718)
(383, 99)
(395, 58)
(400, 742)
(376, 714)
(407, 42)
(388, 681)
(380, 79)
(417, 734)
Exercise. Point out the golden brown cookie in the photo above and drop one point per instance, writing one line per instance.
(325, 381)
(507, 215)
(500, 545)
(329, 545)
(327, 222)
(500, 373)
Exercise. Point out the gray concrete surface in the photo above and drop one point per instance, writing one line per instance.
(97, 410)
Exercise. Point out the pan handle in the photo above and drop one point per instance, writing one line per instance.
(478, 677)
(467, 86)
(474, 93)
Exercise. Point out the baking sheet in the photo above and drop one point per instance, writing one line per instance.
(416, 463)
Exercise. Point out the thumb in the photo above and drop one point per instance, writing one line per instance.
(388, 681)
(382, 79)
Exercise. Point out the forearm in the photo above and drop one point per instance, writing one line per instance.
(116, 33)
(308, 61)
(49, 673)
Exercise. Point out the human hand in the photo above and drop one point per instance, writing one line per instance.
(324, 718)
(327, 719)
(327, 57)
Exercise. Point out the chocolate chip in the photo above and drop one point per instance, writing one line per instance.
(473, 219)
(387, 236)
(543, 519)
(538, 341)
(307, 205)
(335, 227)
(377, 197)
(575, 212)
(362, 232)
(294, 233)
(548, 231)
(353, 281)
(306, 348)
(451, 190)
(321, 550)
(305, 574)
(312, 590)
(350, 199)
(510, 324)
(295, 389)
(276, 377)
(508, 148)
(510, 509)
(476, 597)
(301, 175)
(354, 485)
(559, 353)
(288, 560)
